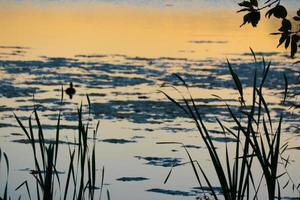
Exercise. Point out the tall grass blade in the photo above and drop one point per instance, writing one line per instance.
(279, 193)
(253, 54)
(208, 182)
(237, 81)
(102, 184)
(62, 95)
(69, 175)
(27, 188)
(48, 189)
(262, 99)
(168, 176)
(265, 74)
(193, 166)
(5, 196)
(108, 195)
(57, 138)
(89, 103)
(40, 138)
(194, 169)
(93, 167)
(22, 126)
(89, 178)
(0, 157)
(175, 102)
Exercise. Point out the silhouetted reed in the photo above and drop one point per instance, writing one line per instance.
(81, 175)
(3, 156)
(257, 140)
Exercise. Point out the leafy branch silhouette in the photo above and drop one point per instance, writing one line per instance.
(289, 35)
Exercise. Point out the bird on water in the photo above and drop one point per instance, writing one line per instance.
(71, 91)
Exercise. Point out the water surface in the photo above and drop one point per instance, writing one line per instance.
(120, 53)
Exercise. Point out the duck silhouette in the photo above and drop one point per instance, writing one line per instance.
(71, 91)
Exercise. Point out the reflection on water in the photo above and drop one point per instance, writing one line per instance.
(89, 28)
(121, 56)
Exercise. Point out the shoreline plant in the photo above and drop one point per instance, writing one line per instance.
(81, 176)
(257, 140)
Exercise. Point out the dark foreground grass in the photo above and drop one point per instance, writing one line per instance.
(81, 176)
(259, 139)
(3, 158)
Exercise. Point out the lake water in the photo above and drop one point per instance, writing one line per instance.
(120, 53)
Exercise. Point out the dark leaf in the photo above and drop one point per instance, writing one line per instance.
(295, 39)
(246, 4)
(254, 3)
(269, 13)
(244, 9)
(252, 17)
(287, 42)
(282, 39)
(255, 17)
(297, 18)
(247, 19)
(280, 11)
(286, 25)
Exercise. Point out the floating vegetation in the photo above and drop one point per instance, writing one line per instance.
(171, 192)
(129, 179)
(160, 161)
(118, 141)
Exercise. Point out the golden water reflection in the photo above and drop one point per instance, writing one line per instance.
(67, 30)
